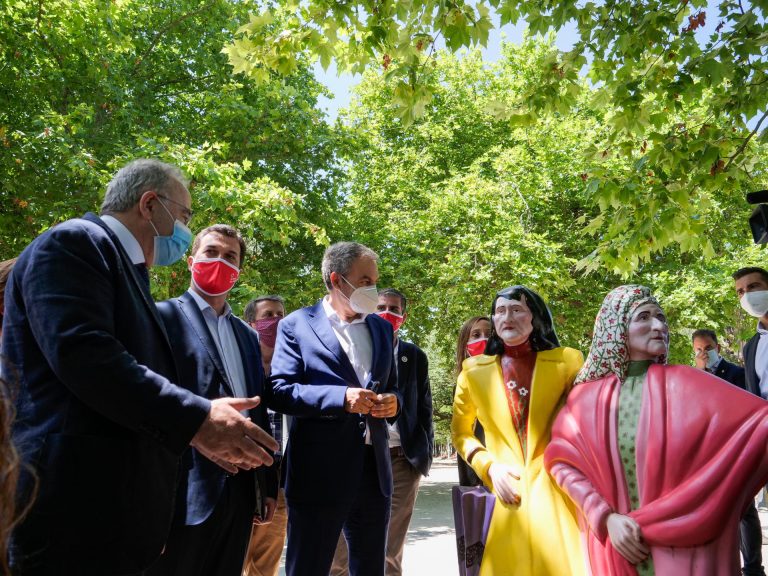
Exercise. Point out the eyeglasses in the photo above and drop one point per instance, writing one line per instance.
(186, 212)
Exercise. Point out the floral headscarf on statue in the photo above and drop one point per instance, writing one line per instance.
(609, 353)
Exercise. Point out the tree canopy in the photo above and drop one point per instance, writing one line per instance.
(686, 111)
(460, 206)
(87, 86)
(465, 176)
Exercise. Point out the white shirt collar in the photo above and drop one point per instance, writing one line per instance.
(203, 305)
(334, 317)
(127, 239)
(760, 329)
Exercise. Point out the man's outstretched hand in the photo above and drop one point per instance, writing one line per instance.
(231, 440)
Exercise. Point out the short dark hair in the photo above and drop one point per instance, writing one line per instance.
(704, 333)
(397, 293)
(249, 314)
(741, 272)
(224, 230)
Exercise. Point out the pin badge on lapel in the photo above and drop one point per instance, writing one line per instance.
(404, 358)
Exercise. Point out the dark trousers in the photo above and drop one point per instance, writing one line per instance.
(751, 542)
(217, 546)
(314, 528)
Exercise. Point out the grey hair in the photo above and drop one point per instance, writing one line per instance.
(339, 258)
(136, 178)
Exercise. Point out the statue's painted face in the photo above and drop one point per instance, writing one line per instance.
(512, 320)
(648, 333)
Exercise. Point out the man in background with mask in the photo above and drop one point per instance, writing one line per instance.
(333, 370)
(707, 357)
(410, 438)
(217, 355)
(263, 314)
(751, 285)
(101, 423)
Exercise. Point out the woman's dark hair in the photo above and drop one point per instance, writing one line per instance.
(464, 333)
(543, 336)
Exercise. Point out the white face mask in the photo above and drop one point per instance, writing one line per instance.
(755, 303)
(712, 358)
(363, 300)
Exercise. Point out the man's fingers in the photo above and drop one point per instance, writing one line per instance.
(241, 404)
(252, 454)
(259, 436)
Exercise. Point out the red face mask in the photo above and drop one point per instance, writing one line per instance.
(267, 329)
(214, 276)
(476, 347)
(395, 319)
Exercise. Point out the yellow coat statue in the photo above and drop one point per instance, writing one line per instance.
(539, 537)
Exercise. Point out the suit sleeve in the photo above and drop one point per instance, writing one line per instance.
(425, 400)
(70, 298)
(291, 393)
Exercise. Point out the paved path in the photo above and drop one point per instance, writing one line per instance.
(430, 549)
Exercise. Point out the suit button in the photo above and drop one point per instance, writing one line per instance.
(362, 425)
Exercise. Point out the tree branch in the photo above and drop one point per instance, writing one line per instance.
(168, 28)
(741, 148)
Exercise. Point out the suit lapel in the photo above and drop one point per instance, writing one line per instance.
(321, 325)
(249, 360)
(404, 363)
(377, 337)
(750, 352)
(191, 311)
(138, 282)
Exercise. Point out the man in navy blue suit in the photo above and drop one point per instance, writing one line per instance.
(410, 438)
(100, 420)
(333, 371)
(707, 357)
(217, 355)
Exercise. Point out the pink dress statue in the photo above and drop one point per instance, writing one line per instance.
(695, 456)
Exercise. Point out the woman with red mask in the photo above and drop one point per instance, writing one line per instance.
(514, 390)
(473, 336)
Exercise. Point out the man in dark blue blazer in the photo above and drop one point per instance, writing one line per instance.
(707, 357)
(100, 422)
(410, 438)
(333, 370)
(217, 355)
(751, 286)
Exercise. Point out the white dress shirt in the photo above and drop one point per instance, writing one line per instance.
(355, 340)
(761, 360)
(220, 328)
(127, 239)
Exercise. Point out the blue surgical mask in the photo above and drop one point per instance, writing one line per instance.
(170, 249)
(712, 358)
